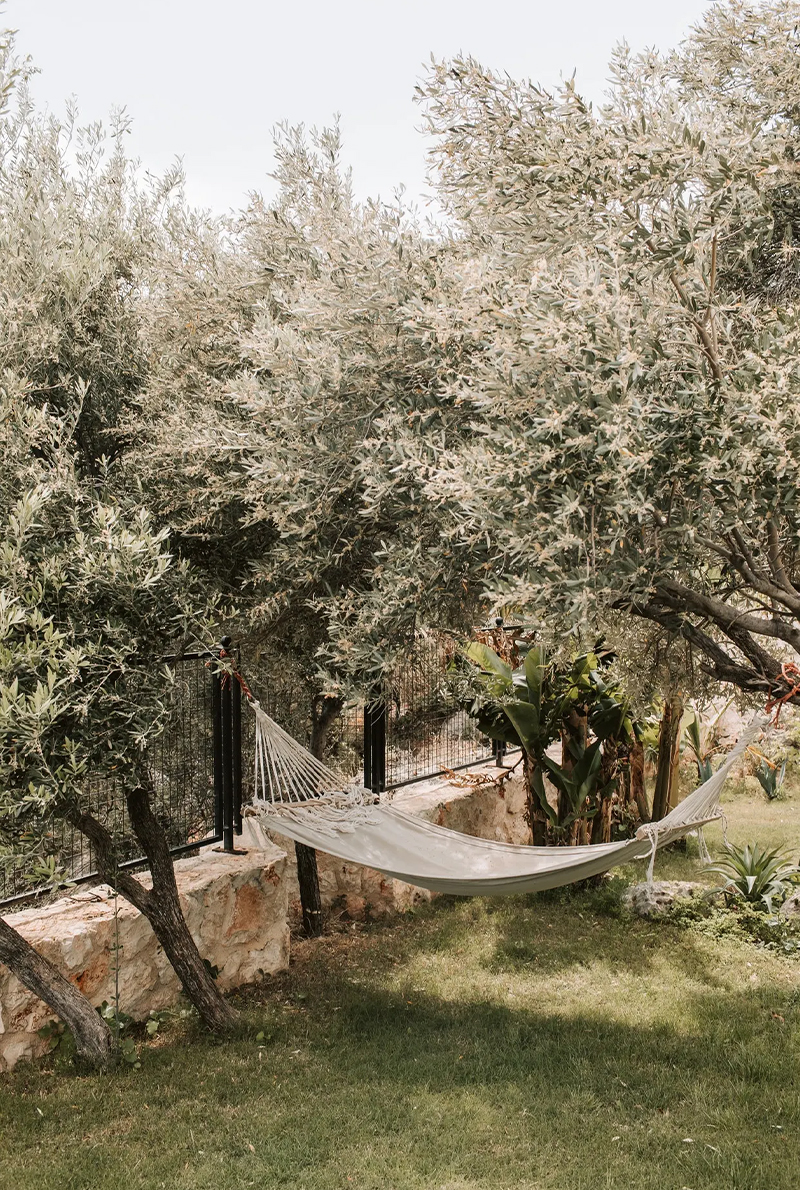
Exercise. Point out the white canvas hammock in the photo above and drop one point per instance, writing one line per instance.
(305, 800)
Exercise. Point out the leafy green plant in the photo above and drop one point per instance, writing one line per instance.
(702, 757)
(120, 1021)
(739, 919)
(581, 785)
(770, 778)
(756, 874)
(531, 707)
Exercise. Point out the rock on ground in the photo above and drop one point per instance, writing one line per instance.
(656, 899)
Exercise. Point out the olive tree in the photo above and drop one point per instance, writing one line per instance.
(626, 336)
(289, 357)
(292, 365)
(91, 594)
(91, 599)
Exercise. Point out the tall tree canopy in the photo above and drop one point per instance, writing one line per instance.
(280, 456)
(626, 334)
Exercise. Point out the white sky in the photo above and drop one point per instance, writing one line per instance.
(207, 82)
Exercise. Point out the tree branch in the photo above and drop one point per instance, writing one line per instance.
(729, 619)
(774, 555)
(744, 562)
(706, 341)
(722, 665)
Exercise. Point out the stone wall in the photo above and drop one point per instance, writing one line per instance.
(236, 908)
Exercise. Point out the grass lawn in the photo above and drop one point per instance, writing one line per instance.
(542, 1042)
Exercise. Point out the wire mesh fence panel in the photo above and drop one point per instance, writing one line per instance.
(428, 728)
(345, 746)
(417, 727)
(181, 772)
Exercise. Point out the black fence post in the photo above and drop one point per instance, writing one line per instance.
(226, 683)
(375, 745)
(236, 743)
(216, 739)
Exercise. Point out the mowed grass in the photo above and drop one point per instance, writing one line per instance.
(537, 1042)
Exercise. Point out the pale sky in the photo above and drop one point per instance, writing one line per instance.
(207, 82)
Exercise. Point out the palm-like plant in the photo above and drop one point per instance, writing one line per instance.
(529, 707)
(756, 874)
(702, 756)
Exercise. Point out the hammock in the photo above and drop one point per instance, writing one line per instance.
(305, 800)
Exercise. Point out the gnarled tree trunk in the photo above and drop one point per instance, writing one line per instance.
(92, 1036)
(669, 738)
(161, 904)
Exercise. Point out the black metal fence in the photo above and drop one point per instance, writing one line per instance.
(418, 727)
(195, 768)
(415, 728)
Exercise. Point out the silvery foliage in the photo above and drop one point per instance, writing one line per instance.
(90, 592)
(293, 373)
(623, 337)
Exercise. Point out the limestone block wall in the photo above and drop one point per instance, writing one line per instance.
(236, 909)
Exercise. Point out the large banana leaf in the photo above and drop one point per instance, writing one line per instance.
(525, 720)
(535, 671)
(489, 661)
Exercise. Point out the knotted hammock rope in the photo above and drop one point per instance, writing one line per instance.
(304, 799)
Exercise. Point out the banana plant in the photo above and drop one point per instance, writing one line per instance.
(528, 707)
(580, 785)
(512, 707)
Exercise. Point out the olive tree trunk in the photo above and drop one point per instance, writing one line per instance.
(92, 1036)
(323, 712)
(159, 904)
(669, 738)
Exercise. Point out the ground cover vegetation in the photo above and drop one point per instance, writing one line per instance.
(328, 425)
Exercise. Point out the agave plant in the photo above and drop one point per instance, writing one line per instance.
(756, 874)
(770, 778)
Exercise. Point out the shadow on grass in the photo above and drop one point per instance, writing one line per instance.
(360, 1078)
(562, 930)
